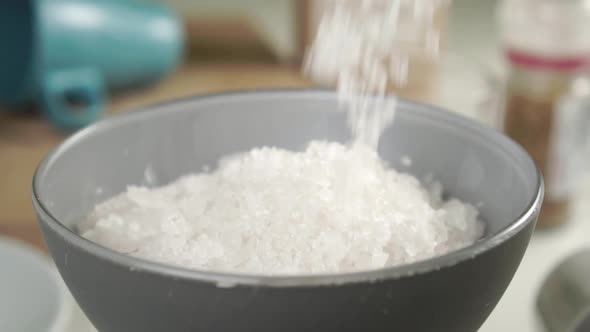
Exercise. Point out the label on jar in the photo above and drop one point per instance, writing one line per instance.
(569, 146)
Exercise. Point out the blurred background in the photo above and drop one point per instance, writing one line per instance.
(222, 45)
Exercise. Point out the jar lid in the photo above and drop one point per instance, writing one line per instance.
(548, 62)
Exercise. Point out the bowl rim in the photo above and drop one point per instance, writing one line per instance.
(233, 279)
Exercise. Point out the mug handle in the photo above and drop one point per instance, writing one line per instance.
(73, 98)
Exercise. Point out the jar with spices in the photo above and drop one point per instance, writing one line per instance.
(404, 37)
(547, 97)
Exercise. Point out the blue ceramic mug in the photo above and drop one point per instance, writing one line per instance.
(67, 54)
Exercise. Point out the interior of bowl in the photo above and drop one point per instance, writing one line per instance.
(156, 146)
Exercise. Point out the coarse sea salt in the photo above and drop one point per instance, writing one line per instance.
(271, 211)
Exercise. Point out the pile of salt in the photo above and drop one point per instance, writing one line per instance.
(272, 211)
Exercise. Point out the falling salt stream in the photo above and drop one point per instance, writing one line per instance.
(364, 48)
(331, 208)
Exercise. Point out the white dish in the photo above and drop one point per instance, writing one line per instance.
(33, 297)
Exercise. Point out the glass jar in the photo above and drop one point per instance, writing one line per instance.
(547, 90)
(406, 35)
(454, 74)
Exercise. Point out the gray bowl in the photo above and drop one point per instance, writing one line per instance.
(455, 292)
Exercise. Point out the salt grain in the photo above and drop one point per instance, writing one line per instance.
(406, 161)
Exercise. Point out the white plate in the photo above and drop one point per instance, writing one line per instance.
(33, 297)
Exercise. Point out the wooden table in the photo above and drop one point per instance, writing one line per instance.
(25, 138)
